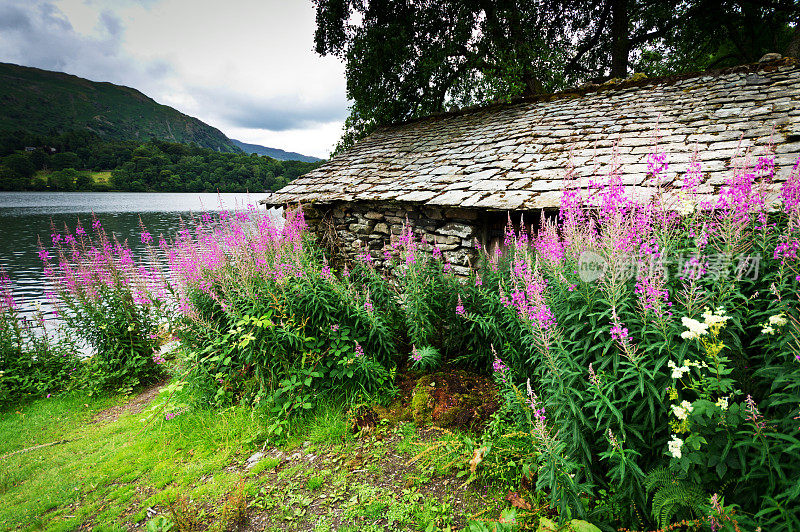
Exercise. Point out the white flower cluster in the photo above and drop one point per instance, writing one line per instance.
(686, 207)
(696, 329)
(675, 445)
(779, 320)
(678, 371)
(682, 410)
(722, 402)
(714, 318)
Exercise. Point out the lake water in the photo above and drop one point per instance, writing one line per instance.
(27, 216)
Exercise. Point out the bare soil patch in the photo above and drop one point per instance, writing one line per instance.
(134, 405)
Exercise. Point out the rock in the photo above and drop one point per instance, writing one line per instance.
(456, 229)
(462, 271)
(432, 213)
(422, 402)
(254, 459)
(576, 525)
(766, 58)
(381, 228)
(447, 240)
(358, 228)
(458, 257)
(454, 398)
(546, 525)
(464, 214)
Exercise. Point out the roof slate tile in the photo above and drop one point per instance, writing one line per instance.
(515, 156)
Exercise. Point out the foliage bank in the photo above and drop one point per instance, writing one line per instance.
(153, 166)
(646, 352)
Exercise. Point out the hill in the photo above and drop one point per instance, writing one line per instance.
(48, 103)
(275, 153)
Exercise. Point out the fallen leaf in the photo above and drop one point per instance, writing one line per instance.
(477, 458)
(517, 501)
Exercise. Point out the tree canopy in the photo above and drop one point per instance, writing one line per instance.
(66, 162)
(410, 58)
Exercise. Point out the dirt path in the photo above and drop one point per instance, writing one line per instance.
(136, 403)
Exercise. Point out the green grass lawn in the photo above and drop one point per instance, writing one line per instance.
(102, 178)
(115, 472)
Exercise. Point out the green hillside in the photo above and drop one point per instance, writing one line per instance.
(47, 103)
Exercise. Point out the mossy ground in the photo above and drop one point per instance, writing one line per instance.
(454, 398)
(119, 466)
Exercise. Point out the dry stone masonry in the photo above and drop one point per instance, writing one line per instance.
(369, 228)
(448, 172)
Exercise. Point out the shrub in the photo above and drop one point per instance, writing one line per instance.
(109, 301)
(620, 378)
(647, 352)
(32, 362)
(269, 321)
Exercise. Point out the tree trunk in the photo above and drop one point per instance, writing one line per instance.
(793, 50)
(620, 44)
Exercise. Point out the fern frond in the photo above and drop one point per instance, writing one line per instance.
(671, 495)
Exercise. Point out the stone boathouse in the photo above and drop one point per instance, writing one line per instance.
(454, 176)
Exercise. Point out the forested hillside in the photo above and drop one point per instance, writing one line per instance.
(49, 103)
(79, 160)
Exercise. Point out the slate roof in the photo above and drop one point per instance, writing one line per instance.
(514, 156)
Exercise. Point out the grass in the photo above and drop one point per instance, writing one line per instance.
(102, 177)
(104, 470)
(114, 473)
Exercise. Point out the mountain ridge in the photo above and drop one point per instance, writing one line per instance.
(275, 153)
(46, 102)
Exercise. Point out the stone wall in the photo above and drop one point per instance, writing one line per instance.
(349, 229)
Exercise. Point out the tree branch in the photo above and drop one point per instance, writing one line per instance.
(591, 43)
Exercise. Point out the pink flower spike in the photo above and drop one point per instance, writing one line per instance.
(460, 307)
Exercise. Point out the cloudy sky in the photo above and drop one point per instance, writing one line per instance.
(246, 67)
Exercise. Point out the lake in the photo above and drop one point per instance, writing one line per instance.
(27, 216)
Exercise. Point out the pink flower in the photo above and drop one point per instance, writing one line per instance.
(619, 333)
(415, 354)
(459, 307)
(593, 377)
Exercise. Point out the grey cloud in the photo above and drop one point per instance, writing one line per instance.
(13, 18)
(53, 17)
(274, 114)
(45, 38)
(159, 69)
(111, 23)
